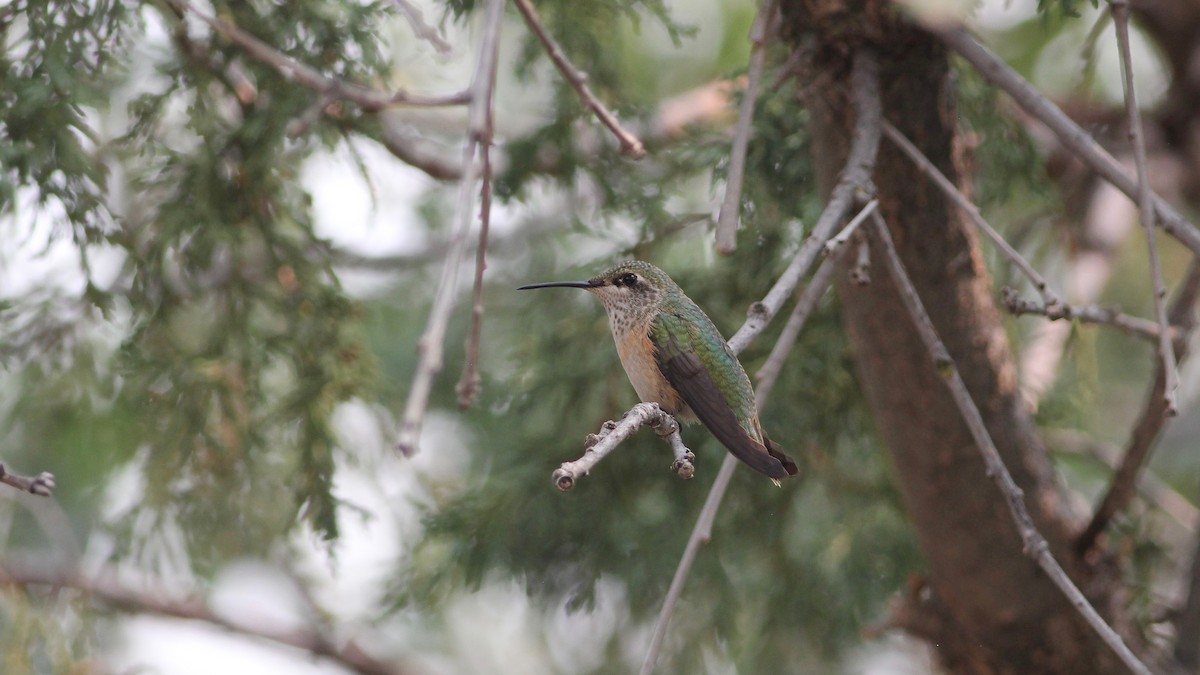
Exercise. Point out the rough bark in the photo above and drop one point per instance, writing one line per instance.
(986, 606)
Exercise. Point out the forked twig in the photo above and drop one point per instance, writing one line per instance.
(837, 241)
(431, 344)
(972, 212)
(731, 206)
(630, 145)
(1035, 545)
(854, 183)
(1109, 316)
(598, 446)
(1145, 201)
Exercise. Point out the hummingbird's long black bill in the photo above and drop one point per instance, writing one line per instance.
(558, 284)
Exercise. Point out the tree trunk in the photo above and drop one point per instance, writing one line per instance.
(986, 606)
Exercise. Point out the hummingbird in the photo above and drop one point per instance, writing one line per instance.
(675, 357)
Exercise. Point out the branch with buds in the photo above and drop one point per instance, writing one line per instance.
(598, 446)
(41, 485)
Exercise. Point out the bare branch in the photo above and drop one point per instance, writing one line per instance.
(1068, 132)
(727, 220)
(966, 206)
(469, 383)
(41, 485)
(630, 145)
(598, 446)
(701, 534)
(1035, 545)
(812, 294)
(431, 344)
(106, 589)
(1145, 200)
(416, 21)
(854, 183)
(1109, 316)
(1154, 416)
(369, 99)
(848, 231)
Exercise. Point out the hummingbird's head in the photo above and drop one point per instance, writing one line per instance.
(627, 289)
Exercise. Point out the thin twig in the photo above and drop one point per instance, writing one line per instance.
(731, 207)
(1109, 316)
(1068, 132)
(416, 21)
(106, 589)
(612, 434)
(966, 206)
(1145, 201)
(630, 145)
(854, 182)
(848, 231)
(1035, 545)
(856, 177)
(1149, 425)
(430, 345)
(469, 383)
(369, 99)
(41, 485)
(812, 294)
(701, 534)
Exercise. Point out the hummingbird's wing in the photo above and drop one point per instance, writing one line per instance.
(686, 372)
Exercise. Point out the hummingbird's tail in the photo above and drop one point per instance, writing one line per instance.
(777, 452)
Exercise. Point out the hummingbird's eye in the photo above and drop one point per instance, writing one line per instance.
(629, 280)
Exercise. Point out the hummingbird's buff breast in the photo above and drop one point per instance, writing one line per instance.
(637, 354)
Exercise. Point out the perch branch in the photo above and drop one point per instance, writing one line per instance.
(966, 206)
(1068, 132)
(41, 485)
(106, 589)
(727, 220)
(1035, 545)
(855, 181)
(431, 344)
(630, 145)
(369, 99)
(1108, 316)
(1145, 201)
(598, 446)
(1154, 416)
